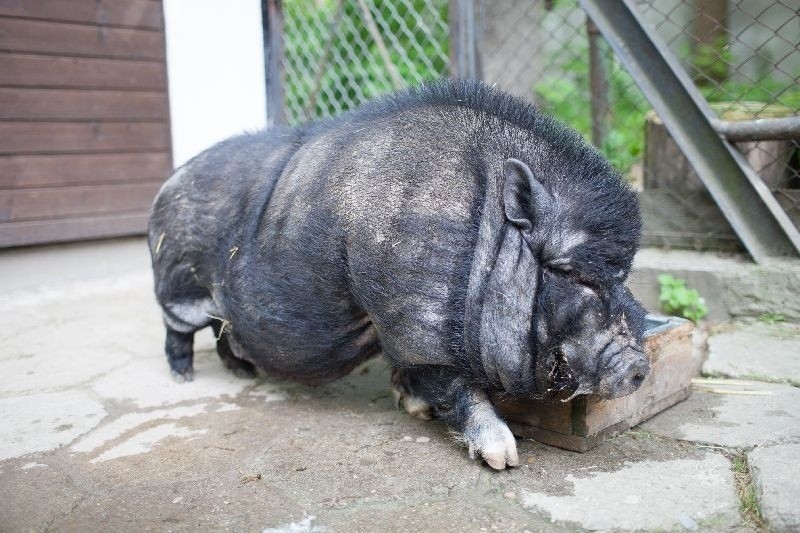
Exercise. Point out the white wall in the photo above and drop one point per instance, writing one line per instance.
(215, 63)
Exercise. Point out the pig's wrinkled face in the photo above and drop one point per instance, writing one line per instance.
(589, 337)
(587, 329)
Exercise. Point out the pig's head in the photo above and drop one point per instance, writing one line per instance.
(588, 329)
(565, 323)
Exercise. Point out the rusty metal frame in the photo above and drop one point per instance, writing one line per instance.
(763, 227)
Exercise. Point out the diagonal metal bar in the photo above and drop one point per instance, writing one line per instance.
(748, 205)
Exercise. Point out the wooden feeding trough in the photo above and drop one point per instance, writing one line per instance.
(582, 423)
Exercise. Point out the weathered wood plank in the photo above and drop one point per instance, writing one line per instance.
(46, 231)
(60, 137)
(26, 70)
(20, 171)
(551, 415)
(131, 13)
(790, 201)
(69, 104)
(22, 35)
(670, 373)
(666, 167)
(684, 219)
(37, 204)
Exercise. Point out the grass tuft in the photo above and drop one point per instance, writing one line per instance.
(749, 506)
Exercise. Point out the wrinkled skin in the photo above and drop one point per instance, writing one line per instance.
(480, 245)
(594, 341)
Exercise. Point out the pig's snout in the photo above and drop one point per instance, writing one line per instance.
(628, 369)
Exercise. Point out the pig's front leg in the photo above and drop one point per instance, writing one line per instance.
(440, 392)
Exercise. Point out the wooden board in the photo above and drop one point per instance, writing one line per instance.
(685, 219)
(61, 39)
(677, 210)
(584, 422)
(23, 171)
(83, 137)
(62, 202)
(127, 13)
(32, 70)
(69, 104)
(93, 227)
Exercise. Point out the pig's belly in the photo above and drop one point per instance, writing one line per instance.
(305, 350)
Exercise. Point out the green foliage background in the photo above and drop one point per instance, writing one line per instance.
(355, 71)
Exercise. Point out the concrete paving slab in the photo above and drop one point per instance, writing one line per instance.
(648, 495)
(43, 422)
(149, 385)
(38, 266)
(111, 443)
(733, 413)
(777, 479)
(756, 350)
(341, 453)
(733, 286)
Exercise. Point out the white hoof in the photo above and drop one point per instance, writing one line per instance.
(488, 435)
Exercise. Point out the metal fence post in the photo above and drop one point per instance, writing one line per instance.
(464, 52)
(598, 86)
(272, 22)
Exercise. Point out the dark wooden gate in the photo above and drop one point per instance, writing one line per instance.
(84, 118)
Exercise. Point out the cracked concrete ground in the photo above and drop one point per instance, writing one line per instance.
(96, 435)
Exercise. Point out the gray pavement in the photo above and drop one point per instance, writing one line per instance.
(774, 472)
(96, 436)
(757, 350)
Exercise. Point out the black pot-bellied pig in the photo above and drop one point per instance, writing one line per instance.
(479, 244)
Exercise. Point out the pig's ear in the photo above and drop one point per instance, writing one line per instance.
(524, 197)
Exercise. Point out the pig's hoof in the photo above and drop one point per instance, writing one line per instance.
(244, 373)
(413, 405)
(187, 376)
(489, 435)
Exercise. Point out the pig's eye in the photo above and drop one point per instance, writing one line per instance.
(560, 265)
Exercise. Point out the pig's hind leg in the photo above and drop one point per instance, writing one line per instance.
(440, 392)
(180, 353)
(182, 320)
(239, 367)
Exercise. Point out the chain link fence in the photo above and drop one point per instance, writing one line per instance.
(341, 53)
(743, 55)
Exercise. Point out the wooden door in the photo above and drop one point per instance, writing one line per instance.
(84, 118)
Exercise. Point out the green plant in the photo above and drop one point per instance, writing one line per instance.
(748, 497)
(677, 299)
(712, 60)
(771, 318)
